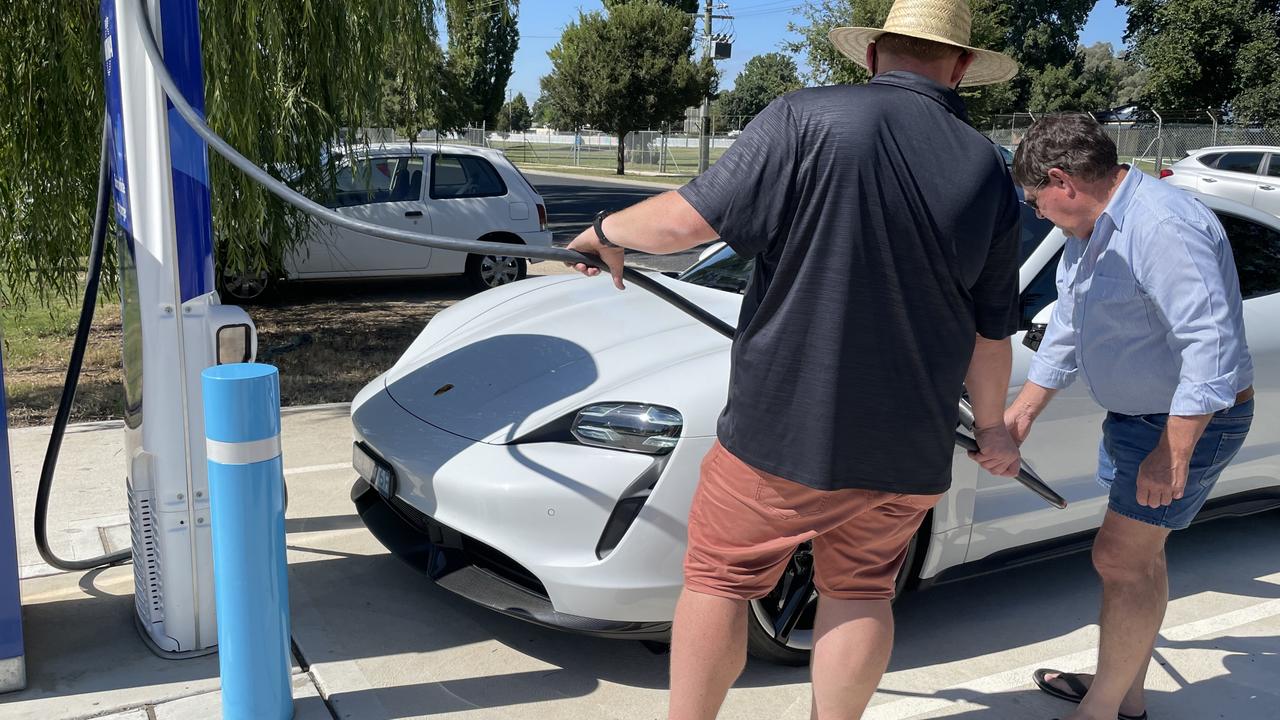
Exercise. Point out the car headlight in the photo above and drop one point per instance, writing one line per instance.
(633, 427)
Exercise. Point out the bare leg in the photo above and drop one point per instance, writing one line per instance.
(708, 652)
(1135, 701)
(852, 643)
(1129, 556)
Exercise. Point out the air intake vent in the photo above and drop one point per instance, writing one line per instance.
(146, 558)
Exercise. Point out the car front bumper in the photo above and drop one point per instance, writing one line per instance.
(477, 572)
(523, 524)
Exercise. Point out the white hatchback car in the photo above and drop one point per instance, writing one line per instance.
(455, 191)
(1248, 174)
(536, 448)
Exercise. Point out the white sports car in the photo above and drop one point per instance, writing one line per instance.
(537, 447)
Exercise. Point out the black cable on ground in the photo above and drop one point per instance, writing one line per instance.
(73, 378)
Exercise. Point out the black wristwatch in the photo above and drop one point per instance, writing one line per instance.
(598, 224)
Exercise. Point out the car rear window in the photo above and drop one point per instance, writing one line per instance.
(1241, 162)
(464, 176)
(1210, 160)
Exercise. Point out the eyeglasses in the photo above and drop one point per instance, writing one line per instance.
(1030, 200)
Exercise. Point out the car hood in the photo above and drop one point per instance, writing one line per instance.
(504, 363)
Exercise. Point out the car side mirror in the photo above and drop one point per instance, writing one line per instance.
(710, 250)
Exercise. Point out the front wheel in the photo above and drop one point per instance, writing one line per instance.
(490, 271)
(780, 625)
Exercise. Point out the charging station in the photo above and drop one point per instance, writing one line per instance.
(173, 324)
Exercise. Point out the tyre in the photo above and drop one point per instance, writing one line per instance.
(792, 648)
(490, 271)
(246, 288)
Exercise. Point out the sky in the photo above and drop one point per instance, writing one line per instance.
(760, 26)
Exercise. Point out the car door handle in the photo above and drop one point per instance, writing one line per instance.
(1208, 179)
(413, 213)
(1266, 187)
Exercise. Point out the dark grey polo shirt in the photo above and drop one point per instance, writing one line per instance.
(885, 232)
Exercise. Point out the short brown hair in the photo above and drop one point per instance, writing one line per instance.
(1074, 143)
(918, 48)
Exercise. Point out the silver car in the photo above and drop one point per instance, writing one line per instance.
(1248, 174)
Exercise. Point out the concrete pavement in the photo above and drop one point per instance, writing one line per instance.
(376, 641)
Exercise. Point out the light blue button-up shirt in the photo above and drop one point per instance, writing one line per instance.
(1149, 308)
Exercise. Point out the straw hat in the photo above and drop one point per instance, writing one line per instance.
(943, 21)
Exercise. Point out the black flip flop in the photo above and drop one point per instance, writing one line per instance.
(1075, 691)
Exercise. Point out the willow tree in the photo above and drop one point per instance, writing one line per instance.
(284, 83)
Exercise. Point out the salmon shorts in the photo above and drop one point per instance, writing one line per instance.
(745, 524)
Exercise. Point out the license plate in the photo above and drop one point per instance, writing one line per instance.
(374, 471)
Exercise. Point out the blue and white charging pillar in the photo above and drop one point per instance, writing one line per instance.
(174, 325)
(13, 666)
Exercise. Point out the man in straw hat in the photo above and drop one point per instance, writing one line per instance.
(884, 231)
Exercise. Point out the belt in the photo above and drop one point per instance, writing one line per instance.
(1244, 396)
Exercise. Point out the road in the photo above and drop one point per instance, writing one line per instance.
(573, 202)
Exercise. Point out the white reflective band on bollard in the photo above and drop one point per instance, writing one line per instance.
(242, 453)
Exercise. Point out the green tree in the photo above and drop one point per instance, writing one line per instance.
(483, 38)
(827, 66)
(762, 79)
(515, 115)
(626, 70)
(1095, 79)
(541, 112)
(1209, 54)
(265, 92)
(686, 6)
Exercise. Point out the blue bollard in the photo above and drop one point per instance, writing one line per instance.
(246, 496)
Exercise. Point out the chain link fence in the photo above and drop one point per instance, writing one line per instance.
(652, 151)
(1151, 145)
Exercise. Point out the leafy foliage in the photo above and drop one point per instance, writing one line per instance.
(1095, 79)
(285, 83)
(1209, 54)
(762, 79)
(686, 6)
(515, 115)
(50, 133)
(626, 70)
(483, 38)
(827, 66)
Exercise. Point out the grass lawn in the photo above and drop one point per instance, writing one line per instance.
(37, 347)
(677, 161)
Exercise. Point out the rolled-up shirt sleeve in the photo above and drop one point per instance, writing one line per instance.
(1189, 276)
(1054, 366)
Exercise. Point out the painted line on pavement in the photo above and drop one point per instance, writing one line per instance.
(318, 468)
(1074, 662)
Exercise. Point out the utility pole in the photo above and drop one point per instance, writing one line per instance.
(704, 119)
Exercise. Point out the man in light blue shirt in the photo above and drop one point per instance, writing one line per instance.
(1149, 314)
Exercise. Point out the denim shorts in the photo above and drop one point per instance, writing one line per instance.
(1127, 440)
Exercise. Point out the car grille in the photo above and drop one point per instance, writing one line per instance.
(466, 550)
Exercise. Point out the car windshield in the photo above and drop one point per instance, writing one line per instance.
(725, 270)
